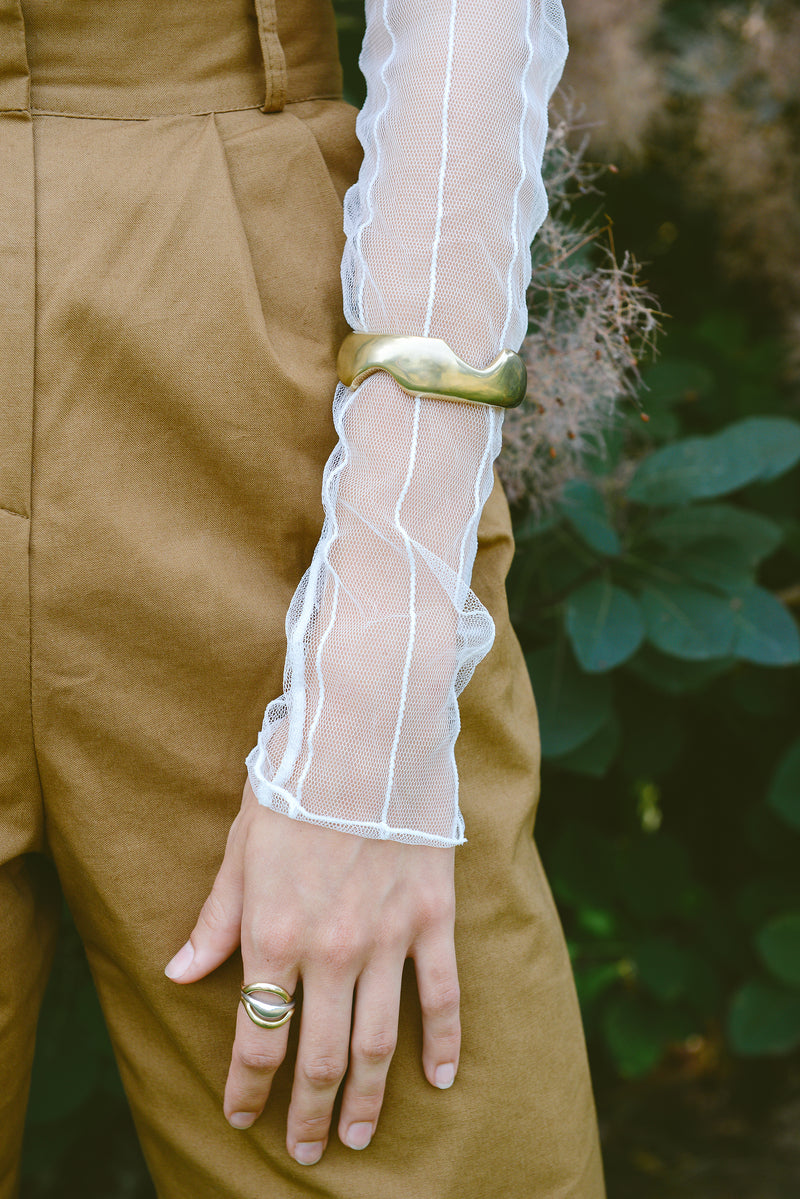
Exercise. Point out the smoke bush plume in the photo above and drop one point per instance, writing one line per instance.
(591, 321)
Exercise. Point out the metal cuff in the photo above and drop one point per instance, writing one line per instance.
(426, 366)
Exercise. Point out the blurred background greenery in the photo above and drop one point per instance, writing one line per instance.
(656, 496)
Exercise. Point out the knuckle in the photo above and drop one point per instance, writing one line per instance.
(234, 833)
(213, 914)
(323, 1071)
(365, 1099)
(274, 942)
(443, 1000)
(396, 932)
(337, 948)
(375, 1049)
(306, 1127)
(251, 1058)
(435, 908)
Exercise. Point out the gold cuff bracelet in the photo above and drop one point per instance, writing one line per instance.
(426, 366)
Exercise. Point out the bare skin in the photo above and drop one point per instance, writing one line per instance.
(343, 913)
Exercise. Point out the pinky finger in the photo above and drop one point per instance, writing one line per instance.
(440, 1000)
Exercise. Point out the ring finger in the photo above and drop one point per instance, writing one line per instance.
(257, 1054)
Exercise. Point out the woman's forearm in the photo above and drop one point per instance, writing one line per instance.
(384, 631)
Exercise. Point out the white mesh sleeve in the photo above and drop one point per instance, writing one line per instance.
(384, 631)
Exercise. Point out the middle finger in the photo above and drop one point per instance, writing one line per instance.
(321, 1065)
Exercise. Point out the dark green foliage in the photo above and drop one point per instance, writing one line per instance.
(605, 624)
(764, 1018)
(585, 510)
(79, 1139)
(664, 666)
(784, 794)
(778, 943)
(700, 467)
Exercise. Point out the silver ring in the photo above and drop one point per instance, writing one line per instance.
(267, 1015)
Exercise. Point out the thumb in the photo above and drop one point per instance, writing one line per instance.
(217, 932)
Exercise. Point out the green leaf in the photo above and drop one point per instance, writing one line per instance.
(715, 562)
(594, 756)
(593, 981)
(687, 621)
(555, 566)
(583, 506)
(784, 790)
(598, 922)
(764, 1018)
(604, 623)
(756, 536)
(662, 967)
(764, 629)
(571, 705)
(690, 469)
(758, 447)
(675, 676)
(772, 441)
(779, 945)
(534, 525)
(634, 1033)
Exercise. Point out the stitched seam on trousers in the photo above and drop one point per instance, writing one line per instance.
(165, 116)
(13, 512)
(322, 96)
(94, 116)
(34, 406)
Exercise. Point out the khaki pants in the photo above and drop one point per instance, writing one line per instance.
(170, 251)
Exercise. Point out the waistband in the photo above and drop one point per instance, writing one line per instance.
(147, 58)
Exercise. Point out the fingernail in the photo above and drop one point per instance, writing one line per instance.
(358, 1136)
(443, 1076)
(241, 1119)
(308, 1153)
(181, 962)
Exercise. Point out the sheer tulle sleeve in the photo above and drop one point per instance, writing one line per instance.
(384, 631)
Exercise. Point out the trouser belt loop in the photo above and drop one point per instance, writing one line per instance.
(274, 59)
(15, 88)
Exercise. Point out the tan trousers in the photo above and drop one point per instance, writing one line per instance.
(170, 249)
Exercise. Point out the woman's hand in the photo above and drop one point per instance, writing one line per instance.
(343, 912)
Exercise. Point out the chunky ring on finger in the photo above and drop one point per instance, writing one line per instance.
(267, 1015)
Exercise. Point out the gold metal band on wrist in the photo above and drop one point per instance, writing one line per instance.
(426, 366)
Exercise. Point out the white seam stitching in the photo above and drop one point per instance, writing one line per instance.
(370, 214)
